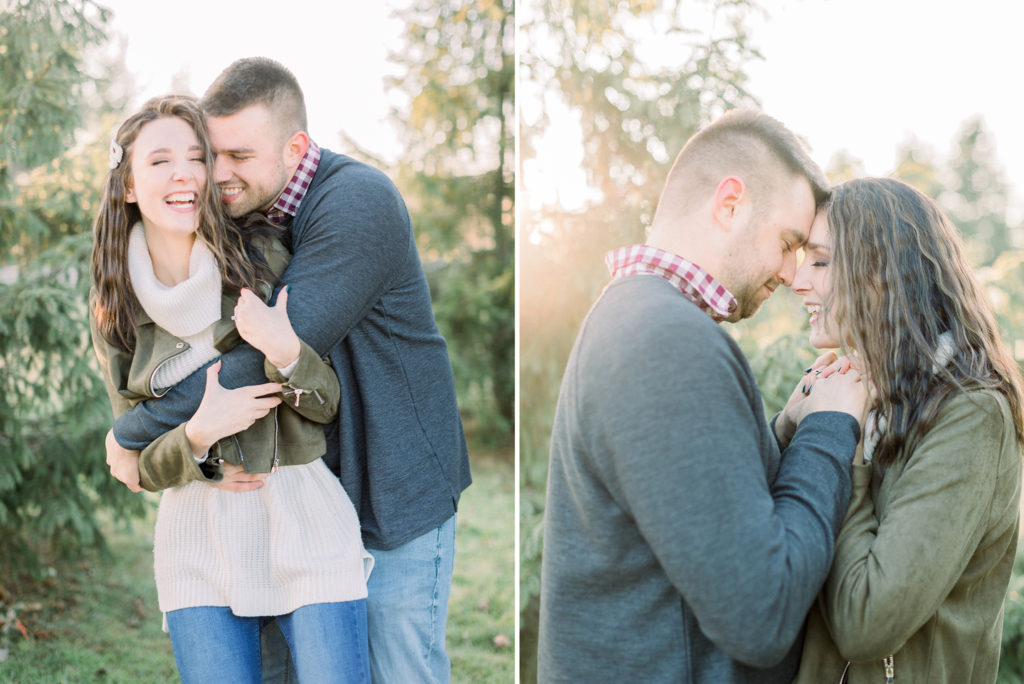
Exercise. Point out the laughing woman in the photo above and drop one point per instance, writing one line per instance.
(175, 283)
(923, 558)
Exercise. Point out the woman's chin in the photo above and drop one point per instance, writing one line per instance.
(821, 340)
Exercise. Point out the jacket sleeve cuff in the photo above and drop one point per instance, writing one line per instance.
(169, 462)
(311, 388)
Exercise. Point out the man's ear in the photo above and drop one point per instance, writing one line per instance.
(295, 148)
(730, 195)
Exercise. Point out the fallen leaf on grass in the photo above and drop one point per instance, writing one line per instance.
(483, 606)
(502, 641)
(21, 628)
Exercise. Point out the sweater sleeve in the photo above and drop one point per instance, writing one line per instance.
(351, 247)
(688, 441)
(892, 571)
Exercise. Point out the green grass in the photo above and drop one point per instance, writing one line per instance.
(96, 619)
(481, 607)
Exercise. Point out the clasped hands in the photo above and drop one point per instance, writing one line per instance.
(832, 383)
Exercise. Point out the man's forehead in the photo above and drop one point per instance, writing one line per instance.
(797, 235)
(228, 135)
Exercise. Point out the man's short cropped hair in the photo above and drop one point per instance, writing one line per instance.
(747, 143)
(258, 81)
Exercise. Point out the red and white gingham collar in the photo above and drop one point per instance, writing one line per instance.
(287, 203)
(694, 282)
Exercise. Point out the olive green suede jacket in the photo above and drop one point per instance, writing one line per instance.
(289, 435)
(924, 556)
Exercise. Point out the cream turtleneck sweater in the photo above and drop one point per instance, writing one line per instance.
(187, 310)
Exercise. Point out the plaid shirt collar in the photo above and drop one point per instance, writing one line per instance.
(694, 282)
(287, 203)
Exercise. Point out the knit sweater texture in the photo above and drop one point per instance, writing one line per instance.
(187, 310)
(679, 544)
(359, 296)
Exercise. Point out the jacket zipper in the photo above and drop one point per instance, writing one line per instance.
(152, 389)
(275, 437)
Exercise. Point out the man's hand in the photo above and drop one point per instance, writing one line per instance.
(847, 392)
(124, 463)
(224, 412)
(237, 480)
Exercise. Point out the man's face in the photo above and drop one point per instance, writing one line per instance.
(249, 166)
(763, 252)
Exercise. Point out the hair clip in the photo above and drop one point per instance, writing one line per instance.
(116, 153)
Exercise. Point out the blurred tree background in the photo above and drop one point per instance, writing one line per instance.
(457, 175)
(634, 114)
(51, 399)
(64, 90)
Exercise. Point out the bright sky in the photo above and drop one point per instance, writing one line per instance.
(864, 76)
(337, 49)
(859, 75)
(868, 75)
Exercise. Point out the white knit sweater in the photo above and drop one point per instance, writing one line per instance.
(294, 542)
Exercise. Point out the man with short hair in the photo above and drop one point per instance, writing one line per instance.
(682, 541)
(359, 296)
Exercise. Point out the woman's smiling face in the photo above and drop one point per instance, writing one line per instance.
(813, 282)
(168, 169)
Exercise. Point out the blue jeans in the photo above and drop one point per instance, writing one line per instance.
(407, 610)
(327, 642)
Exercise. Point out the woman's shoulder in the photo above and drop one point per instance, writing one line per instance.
(273, 250)
(978, 420)
(986, 405)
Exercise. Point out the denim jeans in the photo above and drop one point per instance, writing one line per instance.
(407, 610)
(327, 642)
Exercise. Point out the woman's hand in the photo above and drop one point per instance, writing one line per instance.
(845, 392)
(267, 328)
(785, 424)
(224, 412)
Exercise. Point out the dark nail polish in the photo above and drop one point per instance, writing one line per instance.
(808, 370)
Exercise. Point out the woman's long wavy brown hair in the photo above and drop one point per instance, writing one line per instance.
(113, 302)
(900, 280)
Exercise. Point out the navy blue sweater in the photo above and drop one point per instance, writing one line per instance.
(359, 296)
